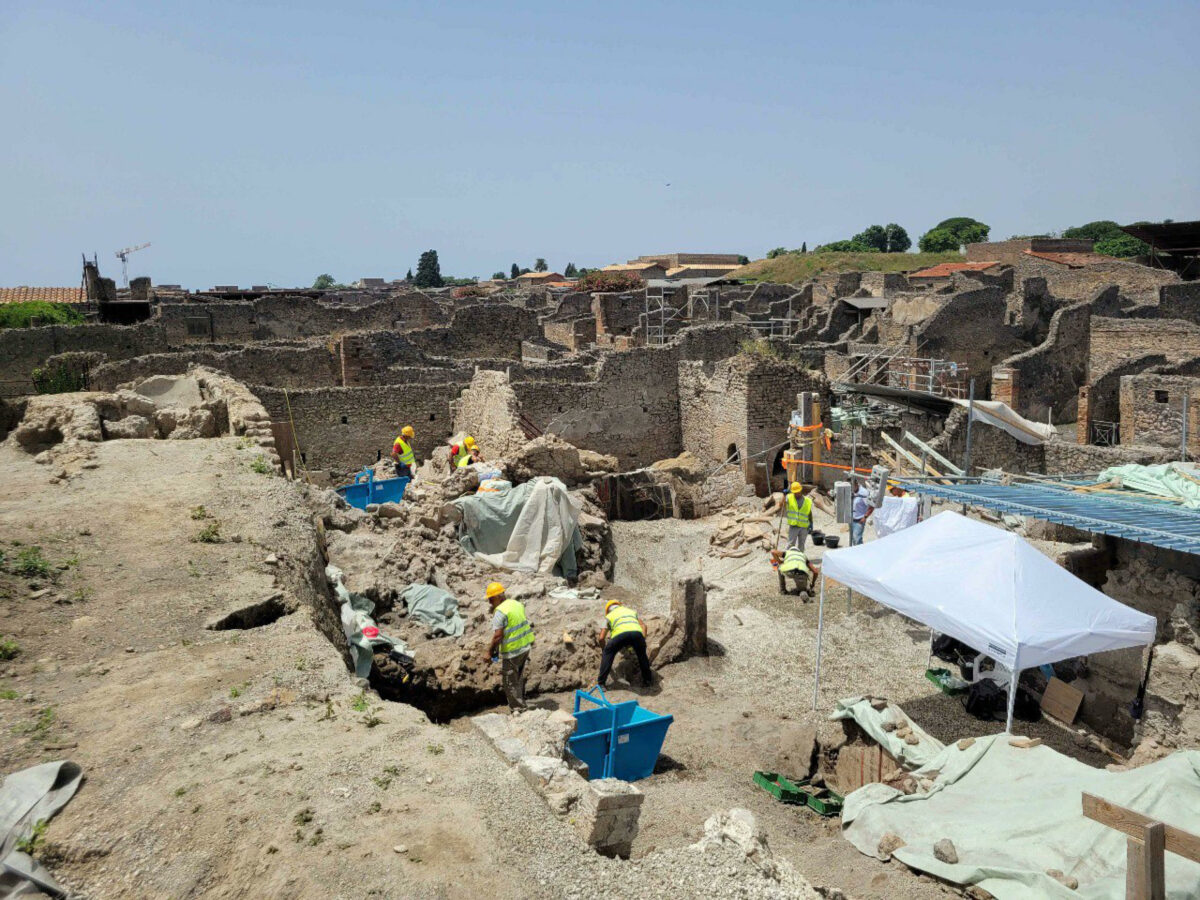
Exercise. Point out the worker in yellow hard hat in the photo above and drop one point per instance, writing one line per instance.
(799, 510)
(512, 639)
(623, 628)
(462, 455)
(402, 453)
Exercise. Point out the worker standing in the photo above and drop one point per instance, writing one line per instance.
(859, 514)
(402, 453)
(799, 516)
(623, 628)
(512, 638)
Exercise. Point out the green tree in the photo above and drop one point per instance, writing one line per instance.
(524, 272)
(939, 240)
(776, 252)
(1110, 239)
(498, 276)
(429, 271)
(743, 260)
(898, 240)
(570, 271)
(515, 271)
(408, 277)
(324, 282)
(1124, 246)
(23, 314)
(966, 229)
(804, 247)
(850, 246)
(873, 237)
(540, 265)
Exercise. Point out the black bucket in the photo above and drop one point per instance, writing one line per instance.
(831, 541)
(818, 538)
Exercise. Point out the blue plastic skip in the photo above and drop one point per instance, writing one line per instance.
(367, 489)
(617, 740)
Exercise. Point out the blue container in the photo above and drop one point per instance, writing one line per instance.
(367, 489)
(617, 740)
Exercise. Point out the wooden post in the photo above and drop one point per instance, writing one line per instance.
(806, 447)
(1149, 840)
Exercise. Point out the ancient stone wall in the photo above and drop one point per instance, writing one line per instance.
(970, 328)
(1048, 377)
(488, 410)
(285, 366)
(1180, 301)
(493, 330)
(1068, 458)
(24, 349)
(1115, 340)
(1137, 282)
(342, 429)
(1152, 411)
(631, 409)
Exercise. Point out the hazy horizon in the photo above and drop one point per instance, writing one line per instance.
(254, 143)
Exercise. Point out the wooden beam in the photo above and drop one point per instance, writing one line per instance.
(920, 466)
(1145, 873)
(1133, 824)
(946, 464)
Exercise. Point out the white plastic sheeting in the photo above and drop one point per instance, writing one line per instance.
(989, 589)
(872, 720)
(1001, 415)
(528, 529)
(1014, 813)
(896, 514)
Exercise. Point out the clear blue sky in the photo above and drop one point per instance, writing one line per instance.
(269, 142)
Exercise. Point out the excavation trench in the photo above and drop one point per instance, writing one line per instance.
(452, 677)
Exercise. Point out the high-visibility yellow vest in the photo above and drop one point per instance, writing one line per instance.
(464, 457)
(406, 452)
(799, 514)
(622, 619)
(794, 561)
(518, 633)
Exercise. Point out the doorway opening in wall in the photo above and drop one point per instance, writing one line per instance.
(778, 474)
(732, 454)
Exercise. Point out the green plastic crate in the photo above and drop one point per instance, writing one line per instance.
(946, 682)
(779, 787)
(823, 801)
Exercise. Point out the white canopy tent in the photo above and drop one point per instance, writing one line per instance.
(989, 589)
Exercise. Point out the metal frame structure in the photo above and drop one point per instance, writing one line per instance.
(1146, 521)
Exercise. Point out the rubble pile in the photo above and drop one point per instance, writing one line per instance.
(389, 547)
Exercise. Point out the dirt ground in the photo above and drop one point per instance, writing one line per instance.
(245, 762)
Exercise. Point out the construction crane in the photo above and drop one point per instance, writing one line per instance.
(123, 256)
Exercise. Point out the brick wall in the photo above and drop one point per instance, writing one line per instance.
(493, 330)
(1137, 282)
(488, 410)
(1048, 377)
(290, 367)
(24, 349)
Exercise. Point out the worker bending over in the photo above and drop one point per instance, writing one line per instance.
(402, 453)
(799, 516)
(793, 564)
(512, 638)
(462, 455)
(623, 628)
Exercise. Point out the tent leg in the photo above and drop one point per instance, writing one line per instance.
(1012, 699)
(929, 662)
(849, 597)
(820, 630)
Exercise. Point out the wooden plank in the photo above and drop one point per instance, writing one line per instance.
(1061, 700)
(1133, 824)
(946, 464)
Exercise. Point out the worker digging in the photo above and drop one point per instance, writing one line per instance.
(623, 630)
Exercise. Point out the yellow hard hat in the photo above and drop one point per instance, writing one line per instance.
(494, 589)
(407, 431)
(469, 441)
(797, 487)
(610, 604)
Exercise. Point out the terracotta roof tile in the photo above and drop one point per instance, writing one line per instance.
(1071, 260)
(24, 294)
(945, 270)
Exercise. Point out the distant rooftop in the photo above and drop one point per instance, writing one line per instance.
(1071, 260)
(25, 294)
(945, 270)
